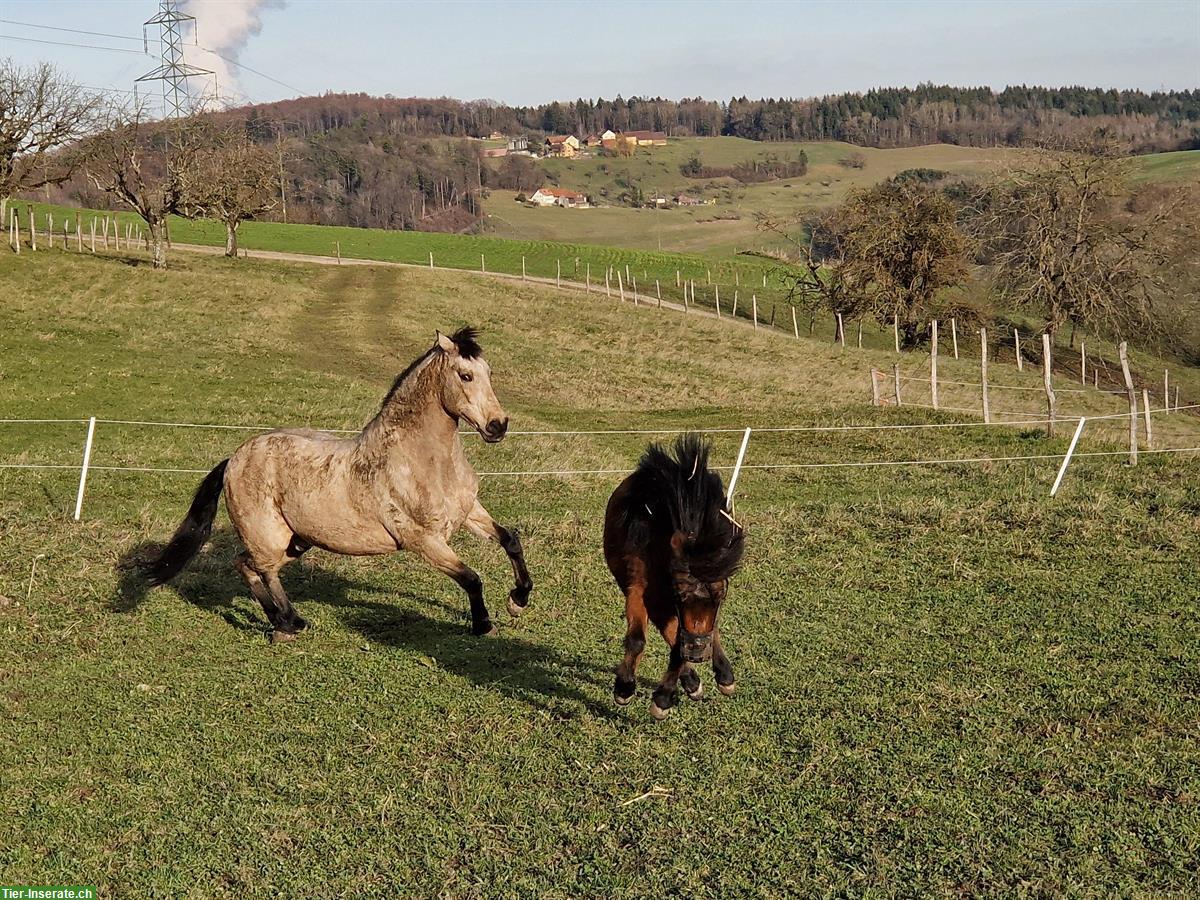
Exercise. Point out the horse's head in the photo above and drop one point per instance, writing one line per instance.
(466, 389)
(698, 602)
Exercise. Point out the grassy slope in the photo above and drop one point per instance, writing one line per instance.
(947, 682)
(730, 225)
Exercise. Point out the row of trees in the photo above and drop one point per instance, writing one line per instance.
(1061, 235)
(886, 117)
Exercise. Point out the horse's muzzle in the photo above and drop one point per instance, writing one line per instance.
(495, 430)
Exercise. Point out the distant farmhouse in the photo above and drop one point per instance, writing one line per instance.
(566, 145)
(646, 138)
(549, 196)
(594, 141)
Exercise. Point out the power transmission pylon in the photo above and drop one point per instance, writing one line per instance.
(174, 71)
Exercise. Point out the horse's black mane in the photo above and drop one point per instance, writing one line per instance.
(467, 341)
(676, 491)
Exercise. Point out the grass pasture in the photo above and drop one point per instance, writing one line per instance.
(948, 683)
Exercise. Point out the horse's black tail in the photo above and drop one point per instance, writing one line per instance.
(192, 532)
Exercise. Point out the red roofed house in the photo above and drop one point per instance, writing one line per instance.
(549, 196)
(647, 138)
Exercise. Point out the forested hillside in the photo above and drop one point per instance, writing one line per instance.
(885, 117)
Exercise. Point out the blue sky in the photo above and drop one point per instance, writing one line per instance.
(529, 52)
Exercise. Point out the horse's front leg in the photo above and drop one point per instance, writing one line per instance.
(663, 698)
(480, 522)
(722, 667)
(438, 554)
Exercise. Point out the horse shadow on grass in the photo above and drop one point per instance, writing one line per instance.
(537, 675)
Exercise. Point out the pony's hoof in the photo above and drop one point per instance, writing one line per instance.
(697, 694)
(622, 701)
(515, 609)
(282, 637)
(490, 631)
(658, 712)
(727, 689)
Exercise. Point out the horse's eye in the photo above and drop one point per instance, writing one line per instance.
(465, 376)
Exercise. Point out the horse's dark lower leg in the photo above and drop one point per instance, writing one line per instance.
(480, 521)
(518, 597)
(273, 600)
(664, 694)
(635, 645)
(689, 680)
(444, 559)
(722, 668)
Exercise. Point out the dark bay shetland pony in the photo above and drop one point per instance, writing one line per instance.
(402, 483)
(672, 550)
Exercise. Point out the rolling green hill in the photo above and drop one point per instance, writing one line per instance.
(947, 681)
(730, 225)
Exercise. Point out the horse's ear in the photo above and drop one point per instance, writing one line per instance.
(447, 345)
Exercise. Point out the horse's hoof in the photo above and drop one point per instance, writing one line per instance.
(622, 701)
(658, 712)
(727, 689)
(492, 631)
(698, 693)
(282, 637)
(514, 608)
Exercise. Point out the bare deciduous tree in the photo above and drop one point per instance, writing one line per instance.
(1061, 244)
(142, 163)
(41, 112)
(231, 179)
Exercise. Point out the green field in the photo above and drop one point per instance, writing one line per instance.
(730, 225)
(948, 683)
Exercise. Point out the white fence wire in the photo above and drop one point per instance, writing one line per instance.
(85, 467)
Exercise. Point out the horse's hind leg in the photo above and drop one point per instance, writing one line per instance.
(480, 522)
(438, 554)
(268, 591)
(635, 644)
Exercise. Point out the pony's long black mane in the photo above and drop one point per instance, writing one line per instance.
(467, 341)
(676, 491)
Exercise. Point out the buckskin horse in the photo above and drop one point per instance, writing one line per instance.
(672, 548)
(402, 483)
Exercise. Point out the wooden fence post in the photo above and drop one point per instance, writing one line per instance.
(482, 263)
(658, 294)
(558, 273)
(841, 331)
(93, 234)
(633, 282)
(933, 354)
(896, 331)
(620, 286)
(50, 231)
(1051, 400)
(607, 285)
(954, 335)
(1017, 345)
(983, 381)
(874, 386)
(896, 373)
(431, 259)
(588, 279)
(106, 232)
(523, 268)
(1146, 414)
(337, 245)
(1166, 388)
(1132, 396)
(32, 230)
(754, 305)
(677, 278)
(1176, 398)
(795, 327)
(860, 334)
(735, 300)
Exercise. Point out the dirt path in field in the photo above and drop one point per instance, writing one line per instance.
(640, 300)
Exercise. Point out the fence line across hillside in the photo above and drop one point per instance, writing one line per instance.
(86, 466)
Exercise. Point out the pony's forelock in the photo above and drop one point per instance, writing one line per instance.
(467, 341)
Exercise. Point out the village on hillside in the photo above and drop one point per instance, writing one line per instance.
(622, 144)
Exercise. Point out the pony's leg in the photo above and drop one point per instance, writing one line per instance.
(268, 591)
(635, 644)
(481, 523)
(722, 668)
(438, 554)
(664, 695)
(689, 680)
